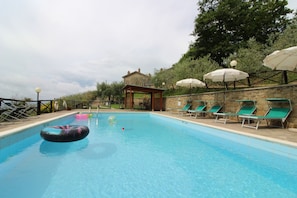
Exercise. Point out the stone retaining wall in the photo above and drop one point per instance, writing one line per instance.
(228, 99)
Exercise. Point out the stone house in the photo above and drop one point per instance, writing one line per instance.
(148, 97)
(137, 78)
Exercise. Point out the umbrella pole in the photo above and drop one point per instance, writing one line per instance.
(249, 82)
(226, 85)
(285, 77)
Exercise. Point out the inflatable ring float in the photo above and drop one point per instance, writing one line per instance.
(66, 133)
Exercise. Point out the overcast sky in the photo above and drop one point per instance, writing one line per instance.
(68, 46)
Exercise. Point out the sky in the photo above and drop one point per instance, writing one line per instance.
(68, 46)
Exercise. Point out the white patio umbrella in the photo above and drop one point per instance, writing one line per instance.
(285, 60)
(225, 75)
(190, 82)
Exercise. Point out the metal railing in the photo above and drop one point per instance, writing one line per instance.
(14, 109)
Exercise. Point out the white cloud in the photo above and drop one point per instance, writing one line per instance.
(292, 4)
(68, 46)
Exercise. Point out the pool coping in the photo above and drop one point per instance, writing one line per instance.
(261, 137)
(18, 129)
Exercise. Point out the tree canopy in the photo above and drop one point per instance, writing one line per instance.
(249, 59)
(223, 26)
(111, 91)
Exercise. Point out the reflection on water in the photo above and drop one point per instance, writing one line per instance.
(92, 151)
(99, 150)
(61, 148)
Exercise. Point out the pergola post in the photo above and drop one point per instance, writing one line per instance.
(161, 101)
(126, 95)
(152, 91)
(131, 99)
(153, 100)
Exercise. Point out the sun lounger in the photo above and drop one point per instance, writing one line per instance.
(8, 115)
(185, 109)
(246, 109)
(12, 112)
(212, 110)
(27, 111)
(197, 110)
(19, 111)
(274, 113)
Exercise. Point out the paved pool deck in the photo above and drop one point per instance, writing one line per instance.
(284, 136)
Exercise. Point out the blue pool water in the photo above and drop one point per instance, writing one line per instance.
(146, 155)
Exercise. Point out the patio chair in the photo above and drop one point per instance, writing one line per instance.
(274, 113)
(185, 109)
(15, 112)
(246, 109)
(8, 115)
(197, 110)
(26, 111)
(18, 111)
(2, 117)
(212, 110)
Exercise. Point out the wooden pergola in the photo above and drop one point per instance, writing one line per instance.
(130, 90)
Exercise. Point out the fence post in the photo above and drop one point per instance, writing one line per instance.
(38, 107)
(51, 107)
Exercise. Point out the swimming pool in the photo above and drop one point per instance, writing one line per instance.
(147, 155)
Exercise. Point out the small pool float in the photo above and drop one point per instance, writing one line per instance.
(66, 133)
(81, 116)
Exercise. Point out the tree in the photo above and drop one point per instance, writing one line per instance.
(223, 26)
(111, 92)
(186, 68)
(82, 98)
(287, 38)
(164, 78)
(194, 68)
(249, 58)
(117, 91)
(102, 90)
